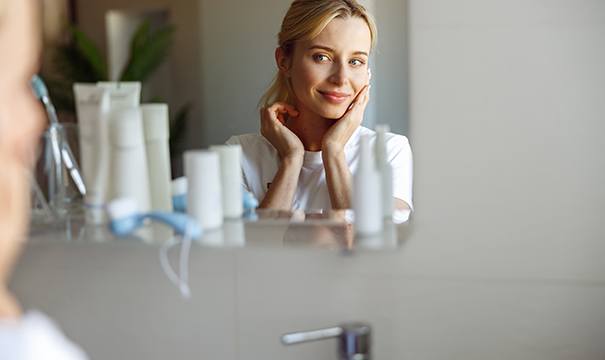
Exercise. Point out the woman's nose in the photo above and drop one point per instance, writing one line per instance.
(339, 74)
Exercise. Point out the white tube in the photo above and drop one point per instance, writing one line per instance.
(367, 200)
(231, 179)
(204, 194)
(155, 125)
(386, 171)
(92, 108)
(122, 94)
(130, 177)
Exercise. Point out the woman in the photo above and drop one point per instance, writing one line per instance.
(29, 336)
(311, 115)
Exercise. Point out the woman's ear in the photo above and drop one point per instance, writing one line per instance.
(283, 61)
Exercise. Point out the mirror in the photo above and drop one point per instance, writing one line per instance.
(210, 61)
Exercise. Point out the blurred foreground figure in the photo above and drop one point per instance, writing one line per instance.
(31, 335)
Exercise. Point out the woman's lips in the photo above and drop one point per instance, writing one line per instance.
(334, 97)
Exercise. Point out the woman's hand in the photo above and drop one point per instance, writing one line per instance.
(338, 175)
(291, 152)
(273, 128)
(335, 139)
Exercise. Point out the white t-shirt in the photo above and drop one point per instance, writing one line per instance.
(35, 337)
(260, 162)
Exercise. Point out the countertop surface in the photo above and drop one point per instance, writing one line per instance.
(424, 296)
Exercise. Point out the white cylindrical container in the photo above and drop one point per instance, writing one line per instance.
(231, 179)
(367, 199)
(155, 126)
(130, 177)
(386, 171)
(204, 188)
(92, 107)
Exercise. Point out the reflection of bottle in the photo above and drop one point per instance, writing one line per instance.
(367, 201)
(385, 170)
(155, 125)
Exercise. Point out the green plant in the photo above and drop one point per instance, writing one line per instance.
(148, 49)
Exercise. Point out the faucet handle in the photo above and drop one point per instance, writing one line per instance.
(354, 339)
(311, 335)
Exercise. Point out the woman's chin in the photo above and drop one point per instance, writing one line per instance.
(333, 114)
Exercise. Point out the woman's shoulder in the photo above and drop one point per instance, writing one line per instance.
(252, 144)
(248, 140)
(393, 141)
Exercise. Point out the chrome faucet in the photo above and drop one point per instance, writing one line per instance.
(354, 339)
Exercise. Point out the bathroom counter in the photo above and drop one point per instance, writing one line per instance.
(425, 296)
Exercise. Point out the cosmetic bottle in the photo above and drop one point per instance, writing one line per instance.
(155, 126)
(92, 109)
(129, 171)
(231, 179)
(386, 171)
(203, 175)
(367, 199)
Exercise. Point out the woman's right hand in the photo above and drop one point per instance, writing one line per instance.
(273, 128)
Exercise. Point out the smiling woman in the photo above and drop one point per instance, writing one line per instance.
(311, 115)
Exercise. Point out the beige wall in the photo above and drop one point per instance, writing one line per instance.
(507, 113)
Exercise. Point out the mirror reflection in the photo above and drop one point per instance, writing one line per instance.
(140, 134)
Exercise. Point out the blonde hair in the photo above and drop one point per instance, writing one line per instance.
(304, 20)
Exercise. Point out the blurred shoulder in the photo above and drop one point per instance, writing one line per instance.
(251, 143)
(393, 141)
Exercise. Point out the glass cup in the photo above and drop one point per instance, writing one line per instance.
(57, 183)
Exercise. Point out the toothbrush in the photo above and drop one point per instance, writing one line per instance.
(67, 157)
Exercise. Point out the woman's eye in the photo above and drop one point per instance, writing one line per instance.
(356, 62)
(321, 57)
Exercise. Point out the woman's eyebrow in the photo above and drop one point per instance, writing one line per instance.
(327, 48)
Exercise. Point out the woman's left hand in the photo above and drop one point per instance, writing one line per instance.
(336, 137)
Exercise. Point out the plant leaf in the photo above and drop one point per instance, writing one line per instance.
(90, 53)
(147, 52)
(140, 37)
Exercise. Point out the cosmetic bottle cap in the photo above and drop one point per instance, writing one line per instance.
(382, 128)
(229, 155)
(381, 147)
(179, 186)
(365, 153)
(155, 121)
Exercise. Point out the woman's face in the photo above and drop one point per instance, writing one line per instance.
(327, 72)
(20, 121)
